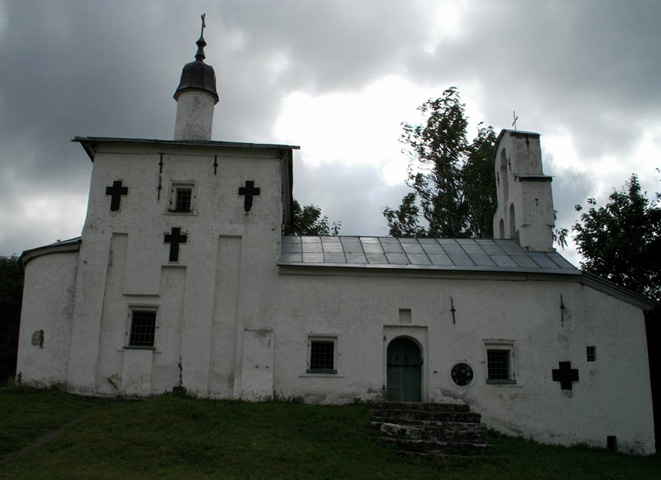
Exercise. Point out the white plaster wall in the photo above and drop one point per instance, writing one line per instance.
(518, 155)
(126, 263)
(226, 289)
(612, 396)
(48, 300)
(194, 115)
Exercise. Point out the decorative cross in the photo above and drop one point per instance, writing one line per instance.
(565, 375)
(515, 119)
(116, 192)
(249, 191)
(175, 238)
(204, 24)
(453, 310)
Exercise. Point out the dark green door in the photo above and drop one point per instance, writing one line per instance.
(404, 371)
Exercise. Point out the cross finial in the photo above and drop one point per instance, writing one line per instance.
(515, 119)
(199, 56)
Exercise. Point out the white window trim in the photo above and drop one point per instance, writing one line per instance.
(172, 199)
(509, 346)
(337, 372)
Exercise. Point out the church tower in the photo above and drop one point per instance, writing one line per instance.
(196, 97)
(153, 295)
(525, 203)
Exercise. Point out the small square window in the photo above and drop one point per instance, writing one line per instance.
(143, 328)
(181, 198)
(500, 364)
(592, 354)
(321, 355)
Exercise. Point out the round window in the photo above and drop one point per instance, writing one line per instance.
(462, 374)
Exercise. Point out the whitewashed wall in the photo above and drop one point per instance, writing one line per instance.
(48, 299)
(239, 325)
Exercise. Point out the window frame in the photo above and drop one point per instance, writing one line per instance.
(322, 339)
(180, 186)
(591, 353)
(505, 347)
(141, 309)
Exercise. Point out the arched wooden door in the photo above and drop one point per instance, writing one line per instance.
(404, 374)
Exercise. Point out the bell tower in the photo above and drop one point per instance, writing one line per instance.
(196, 96)
(525, 202)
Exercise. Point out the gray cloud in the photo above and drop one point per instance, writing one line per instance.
(110, 68)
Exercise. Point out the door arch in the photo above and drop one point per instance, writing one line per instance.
(404, 371)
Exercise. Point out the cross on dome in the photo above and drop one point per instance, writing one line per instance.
(199, 56)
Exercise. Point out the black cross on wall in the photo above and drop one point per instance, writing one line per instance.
(175, 238)
(249, 191)
(565, 375)
(116, 192)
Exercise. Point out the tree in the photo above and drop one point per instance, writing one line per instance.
(11, 296)
(622, 240)
(453, 181)
(309, 221)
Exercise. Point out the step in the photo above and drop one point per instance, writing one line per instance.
(439, 448)
(448, 432)
(442, 407)
(419, 416)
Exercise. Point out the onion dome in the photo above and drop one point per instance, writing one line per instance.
(198, 75)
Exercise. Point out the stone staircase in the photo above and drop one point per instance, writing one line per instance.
(432, 429)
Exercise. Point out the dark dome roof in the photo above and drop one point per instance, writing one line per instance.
(197, 75)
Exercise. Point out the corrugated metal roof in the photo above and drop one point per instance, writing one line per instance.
(420, 254)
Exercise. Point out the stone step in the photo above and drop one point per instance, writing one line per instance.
(437, 407)
(418, 416)
(439, 448)
(447, 432)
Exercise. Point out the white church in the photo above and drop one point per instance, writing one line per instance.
(182, 279)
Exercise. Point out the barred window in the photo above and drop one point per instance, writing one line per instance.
(322, 356)
(182, 196)
(498, 364)
(183, 199)
(143, 328)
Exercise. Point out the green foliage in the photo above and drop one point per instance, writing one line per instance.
(453, 181)
(11, 297)
(309, 221)
(621, 241)
(50, 434)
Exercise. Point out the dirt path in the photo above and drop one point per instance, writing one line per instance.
(45, 438)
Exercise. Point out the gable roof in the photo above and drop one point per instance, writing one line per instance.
(442, 256)
(420, 254)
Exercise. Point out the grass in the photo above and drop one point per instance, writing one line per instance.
(51, 434)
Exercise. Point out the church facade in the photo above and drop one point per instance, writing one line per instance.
(182, 278)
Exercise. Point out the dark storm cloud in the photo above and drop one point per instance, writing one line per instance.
(591, 66)
(92, 68)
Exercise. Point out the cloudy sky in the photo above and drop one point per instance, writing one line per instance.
(335, 77)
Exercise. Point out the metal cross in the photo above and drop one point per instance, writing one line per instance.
(565, 375)
(204, 25)
(116, 192)
(175, 238)
(249, 191)
(515, 119)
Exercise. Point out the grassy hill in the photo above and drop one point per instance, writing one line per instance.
(54, 435)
